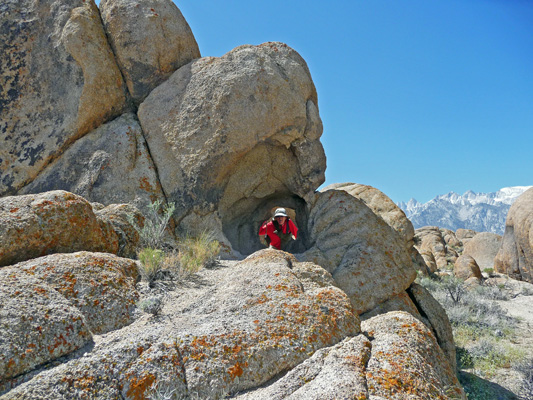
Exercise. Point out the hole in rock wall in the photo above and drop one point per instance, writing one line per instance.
(241, 224)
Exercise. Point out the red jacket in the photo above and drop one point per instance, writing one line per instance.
(269, 229)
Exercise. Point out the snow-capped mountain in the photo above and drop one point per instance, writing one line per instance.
(482, 212)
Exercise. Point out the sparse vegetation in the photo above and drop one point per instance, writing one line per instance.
(525, 367)
(161, 259)
(154, 230)
(151, 264)
(151, 305)
(197, 252)
(481, 329)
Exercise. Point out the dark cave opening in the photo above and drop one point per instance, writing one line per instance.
(242, 229)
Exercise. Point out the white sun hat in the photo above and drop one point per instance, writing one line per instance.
(280, 212)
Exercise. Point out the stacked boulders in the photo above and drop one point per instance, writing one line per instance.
(113, 106)
(438, 246)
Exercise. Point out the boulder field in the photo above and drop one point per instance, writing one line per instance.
(104, 111)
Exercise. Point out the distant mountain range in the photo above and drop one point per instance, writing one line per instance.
(482, 212)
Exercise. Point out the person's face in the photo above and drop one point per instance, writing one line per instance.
(281, 220)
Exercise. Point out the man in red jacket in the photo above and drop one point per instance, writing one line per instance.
(279, 231)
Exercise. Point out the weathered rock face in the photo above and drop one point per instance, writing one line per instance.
(394, 216)
(53, 222)
(381, 205)
(399, 361)
(336, 372)
(483, 248)
(367, 259)
(515, 257)
(406, 361)
(466, 267)
(150, 39)
(109, 165)
(442, 243)
(51, 306)
(261, 317)
(37, 324)
(101, 286)
(437, 320)
(60, 81)
(241, 133)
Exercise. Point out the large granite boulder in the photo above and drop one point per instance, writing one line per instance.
(406, 361)
(393, 215)
(515, 257)
(53, 222)
(241, 133)
(109, 165)
(60, 81)
(336, 372)
(483, 248)
(381, 205)
(243, 325)
(51, 306)
(365, 256)
(150, 39)
(398, 360)
(466, 267)
(418, 302)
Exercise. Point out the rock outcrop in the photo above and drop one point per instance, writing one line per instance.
(441, 243)
(52, 306)
(365, 256)
(150, 39)
(263, 316)
(515, 257)
(60, 81)
(465, 235)
(241, 133)
(381, 205)
(393, 215)
(101, 286)
(32, 226)
(37, 325)
(243, 326)
(226, 139)
(393, 362)
(109, 165)
(405, 361)
(483, 248)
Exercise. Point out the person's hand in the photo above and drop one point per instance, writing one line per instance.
(293, 237)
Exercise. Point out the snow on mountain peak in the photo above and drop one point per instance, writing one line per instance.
(483, 212)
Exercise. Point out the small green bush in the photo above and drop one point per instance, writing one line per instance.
(152, 305)
(198, 252)
(489, 271)
(152, 233)
(151, 263)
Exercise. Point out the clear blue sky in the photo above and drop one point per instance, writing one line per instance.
(418, 98)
